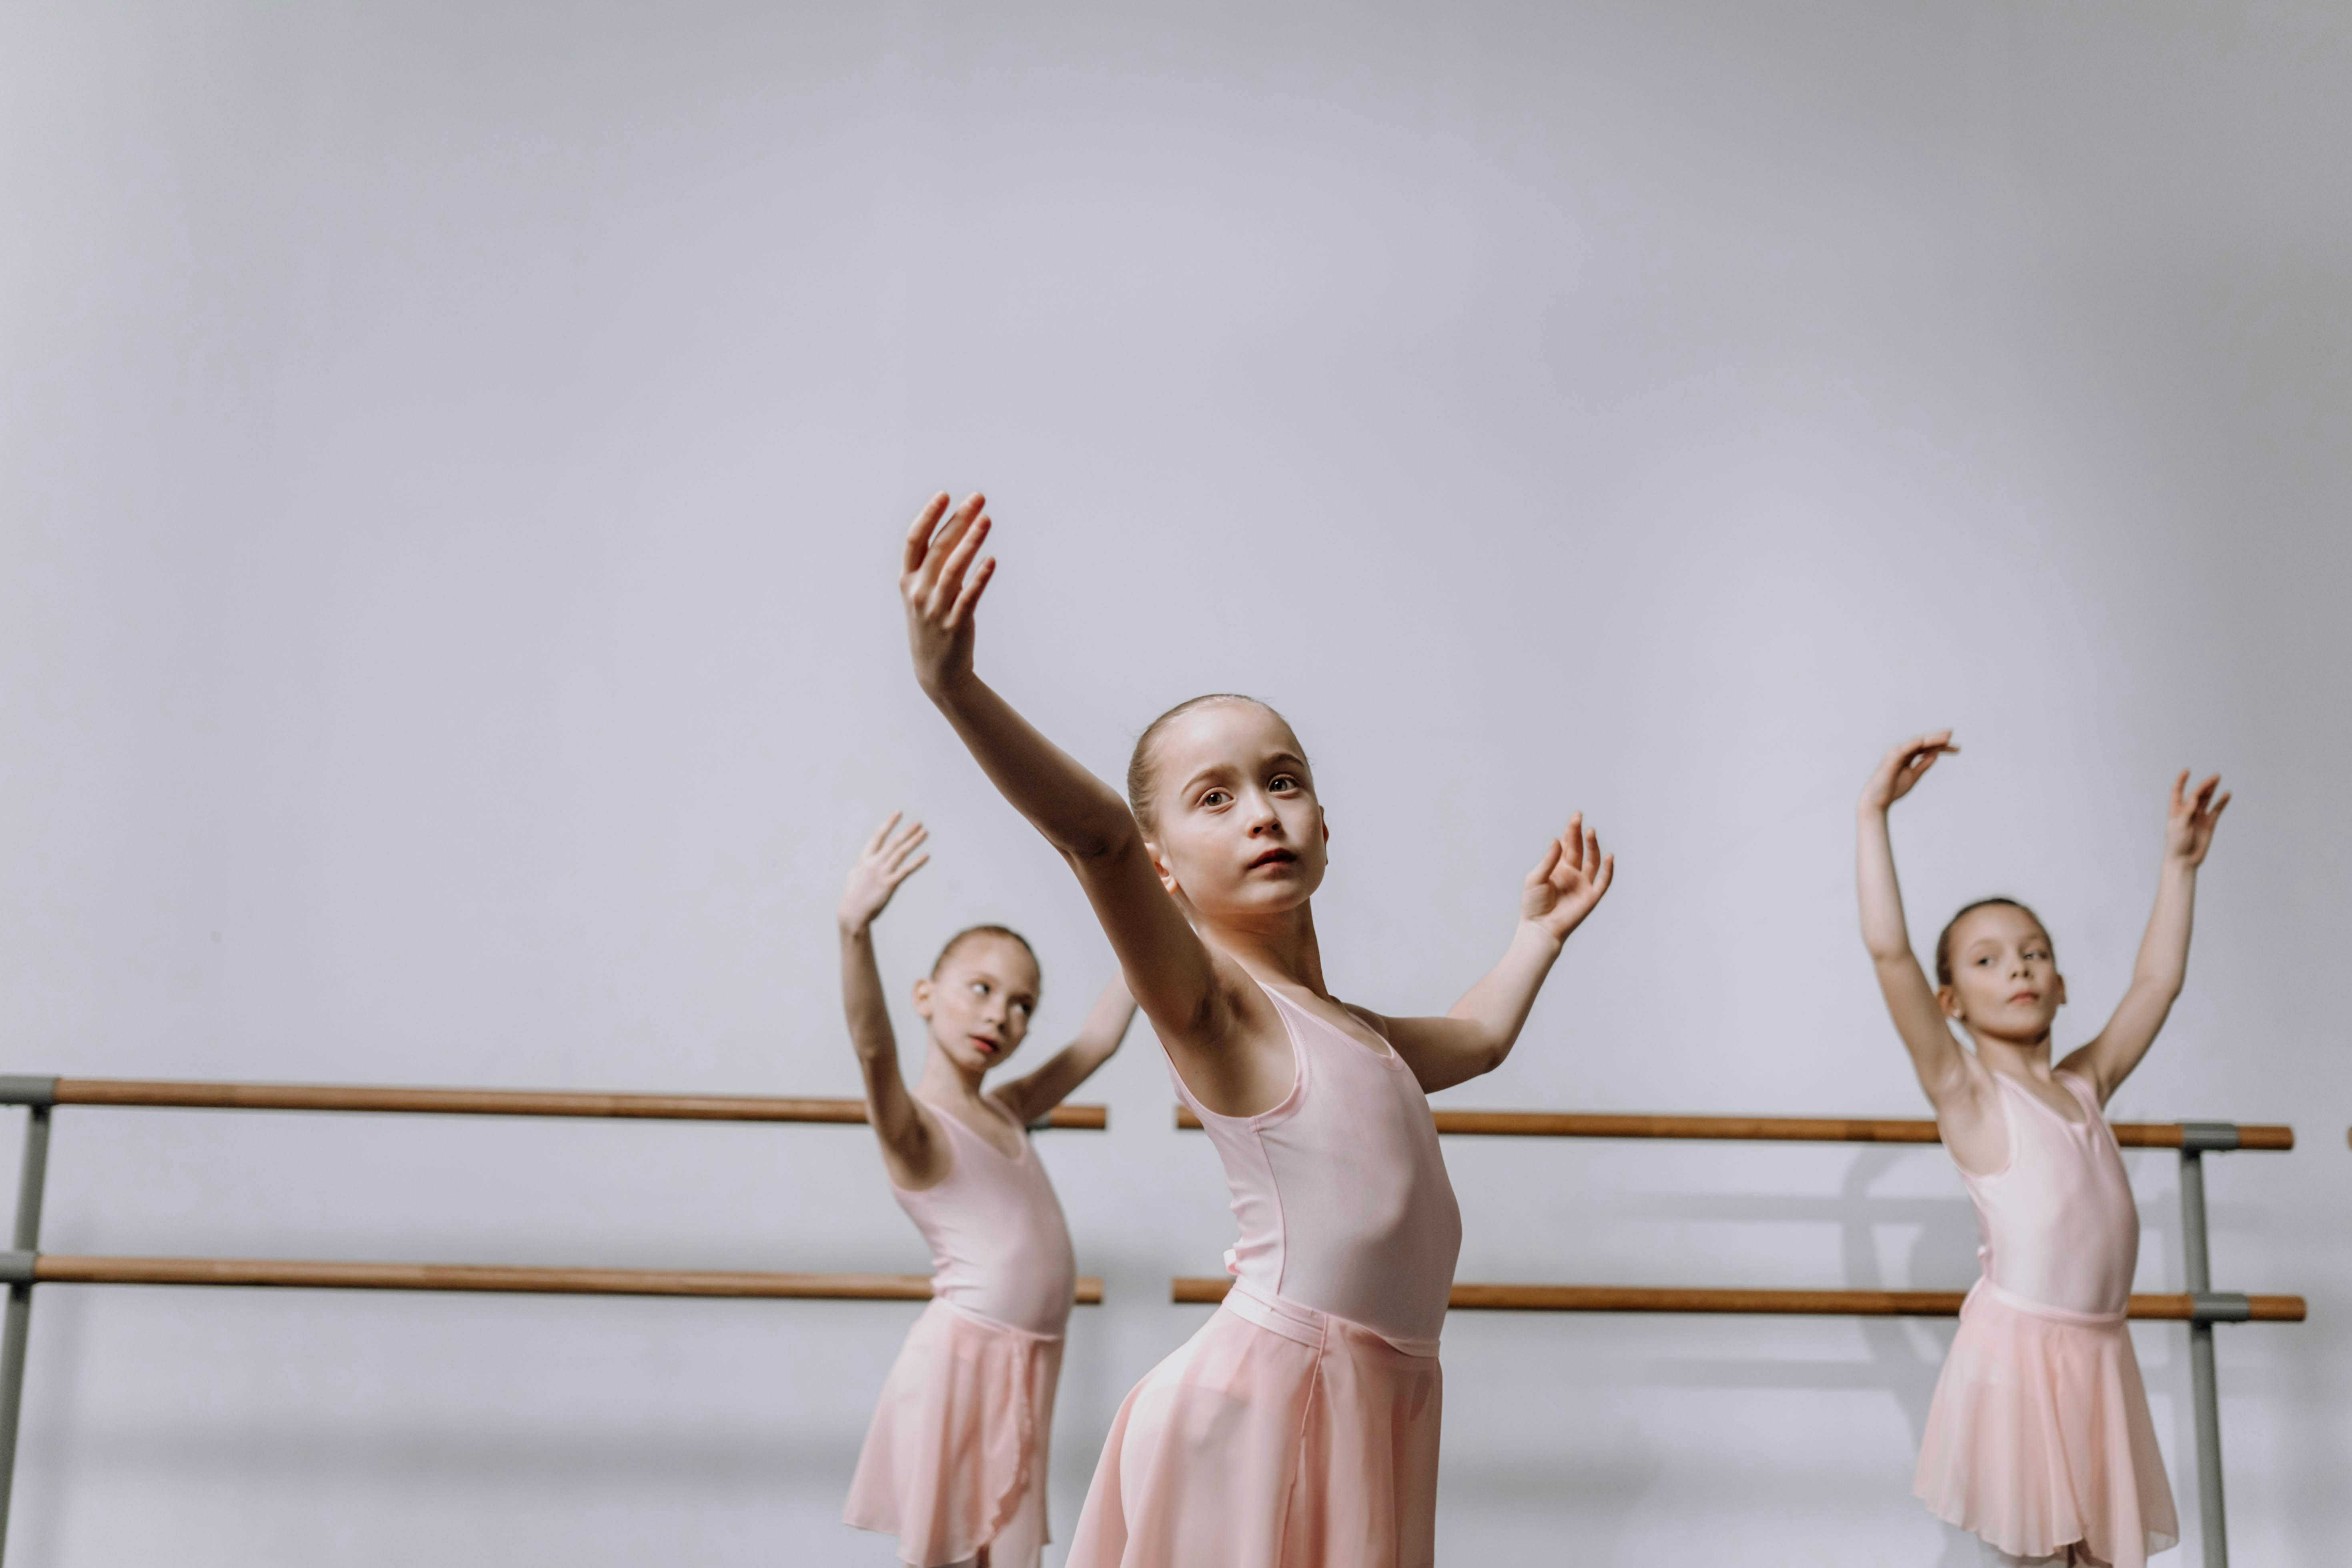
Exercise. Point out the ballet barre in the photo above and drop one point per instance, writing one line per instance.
(322, 1274)
(1783, 1129)
(182, 1095)
(2200, 1306)
(2179, 1308)
(25, 1266)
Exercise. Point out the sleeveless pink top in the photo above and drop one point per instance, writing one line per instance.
(1340, 1191)
(2060, 1230)
(999, 1248)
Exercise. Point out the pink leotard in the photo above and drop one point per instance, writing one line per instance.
(1340, 1191)
(2039, 1439)
(1000, 1247)
(2058, 1223)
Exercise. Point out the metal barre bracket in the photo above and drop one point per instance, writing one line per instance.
(27, 1088)
(2207, 1137)
(16, 1267)
(2219, 1307)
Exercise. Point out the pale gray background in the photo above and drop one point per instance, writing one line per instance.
(451, 460)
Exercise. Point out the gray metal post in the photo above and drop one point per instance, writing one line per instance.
(20, 1321)
(2204, 1391)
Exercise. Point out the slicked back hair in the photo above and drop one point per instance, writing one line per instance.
(1142, 796)
(1007, 932)
(1944, 940)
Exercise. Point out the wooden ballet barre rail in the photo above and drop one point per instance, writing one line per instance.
(177, 1094)
(60, 1268)
(1786, 1128)
(1780, 1303)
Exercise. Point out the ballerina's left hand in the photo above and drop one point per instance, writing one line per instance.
(2188, 827)
(1568, 881)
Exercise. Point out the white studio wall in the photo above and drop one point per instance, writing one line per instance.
(451, 465)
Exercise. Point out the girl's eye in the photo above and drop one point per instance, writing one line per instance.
(1282, 782)
(1215, 798)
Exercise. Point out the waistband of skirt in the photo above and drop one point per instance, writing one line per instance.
(2044, 1309)
(1311, 1325)
(997, 1325)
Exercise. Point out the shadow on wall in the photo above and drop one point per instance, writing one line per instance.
(316, 1453)
(1904, 1355)
(1943, 1249)
(551, 1460)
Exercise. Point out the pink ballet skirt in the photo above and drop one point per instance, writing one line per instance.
(2039, 1437)
(1277, 1436)
(955, 1457)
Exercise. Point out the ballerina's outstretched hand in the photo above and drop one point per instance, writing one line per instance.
(887, 859)
(1571, 877)
(1478, 1031)
(942, 586)
(1903, 767)
(2188, 826)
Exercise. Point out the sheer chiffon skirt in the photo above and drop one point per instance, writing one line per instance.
(2038, 1437)
(955, 1457)
(1277, 1436)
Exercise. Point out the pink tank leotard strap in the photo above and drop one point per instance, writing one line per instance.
(1341, 1192)
(1000, 1247)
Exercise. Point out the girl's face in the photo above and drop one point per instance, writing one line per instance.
(1237, 830)
(2005, 980)
(978, 1005)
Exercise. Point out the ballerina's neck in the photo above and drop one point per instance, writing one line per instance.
(2018, 1058)
(946, 1081)
(1283, 951)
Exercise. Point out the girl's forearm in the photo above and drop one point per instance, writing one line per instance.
(1098, 1039)
(1501, 999)
(1113, 1011)
(1078, 812)
(1878, 894)
(861, 1000)
(1081, 1057)
(2164, 950)
(1105, 1026)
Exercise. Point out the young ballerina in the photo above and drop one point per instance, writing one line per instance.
(1298, 1429)
(2038, 1439)
(955, 1461)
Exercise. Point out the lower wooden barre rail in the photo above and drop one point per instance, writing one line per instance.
(60, 1268)
(176, 1094)
(1777, 1304)
(1767, 1129)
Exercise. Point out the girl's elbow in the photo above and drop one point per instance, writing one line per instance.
(1099, 843)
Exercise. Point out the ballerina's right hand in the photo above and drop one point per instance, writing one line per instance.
(940, 587)
(881, 866)
(1903, 766)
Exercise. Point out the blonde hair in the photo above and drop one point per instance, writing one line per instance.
(1141, 798)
